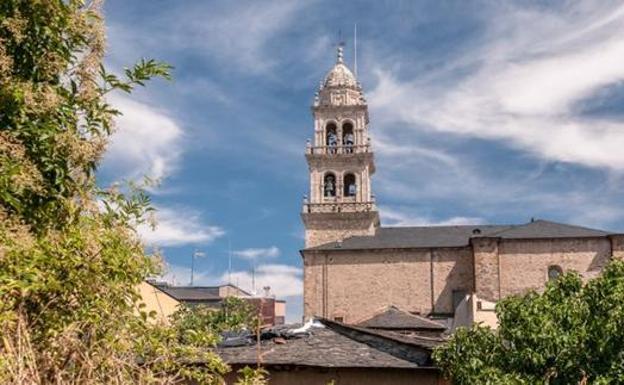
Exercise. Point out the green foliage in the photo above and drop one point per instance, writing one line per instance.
(70, 259)
(250, 376)
(200, 324)
(568, 334)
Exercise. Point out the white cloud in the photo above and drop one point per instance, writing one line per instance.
(147, 142)
(523, 87)
(179, 226)
(284, 280)
(258, 253)
(402, 216)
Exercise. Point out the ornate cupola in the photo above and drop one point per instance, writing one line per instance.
(340, 161)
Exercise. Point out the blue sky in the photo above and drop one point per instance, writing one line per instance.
(481, 112)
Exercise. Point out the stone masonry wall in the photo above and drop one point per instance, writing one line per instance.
(452, 270)
(617, 245)
(524, 263)
(486, 268)
(354, 285)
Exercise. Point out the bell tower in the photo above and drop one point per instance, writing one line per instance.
(340, 162)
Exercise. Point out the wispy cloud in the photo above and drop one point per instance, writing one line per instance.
(147, 141)
(258, 253)
(523, 89)
(179, 226)
(236, 34)
(403, 216)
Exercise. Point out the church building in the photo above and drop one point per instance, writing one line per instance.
(355, 268)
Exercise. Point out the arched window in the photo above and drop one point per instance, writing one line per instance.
(331, 138)
(554, 272)
(348, 139)
(350, 188)
(329, 185)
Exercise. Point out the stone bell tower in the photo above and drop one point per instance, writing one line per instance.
(340, 161)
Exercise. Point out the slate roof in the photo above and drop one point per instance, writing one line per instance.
(393, 318)
(335, 346)
(458, 236)
(192, 293)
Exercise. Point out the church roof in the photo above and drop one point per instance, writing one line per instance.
(458, 236)
(393, 318)
(340, 75)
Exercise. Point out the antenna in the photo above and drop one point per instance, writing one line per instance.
(355, 49)
(229, 261)
(253, 278)
(197, 253)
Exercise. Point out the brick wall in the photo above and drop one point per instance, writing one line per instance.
(486, 268)
(354, 285)
(524, 263)
(617, 246)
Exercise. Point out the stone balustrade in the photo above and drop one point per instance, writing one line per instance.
(338, 206)
(338, 150)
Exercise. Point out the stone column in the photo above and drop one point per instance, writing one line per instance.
(486, 268)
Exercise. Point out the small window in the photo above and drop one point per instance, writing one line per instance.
(554, 272)
(339, 319)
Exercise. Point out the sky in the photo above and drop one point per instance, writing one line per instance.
(481, 112)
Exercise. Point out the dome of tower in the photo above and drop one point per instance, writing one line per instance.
(340, 75)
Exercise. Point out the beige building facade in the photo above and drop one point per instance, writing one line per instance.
(353, 266)
(155, 301)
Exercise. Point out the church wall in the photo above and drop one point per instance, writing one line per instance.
(354, 285)
(617, 246)
(363, 283)
(314, 266)
(452, 270)
(524, 263)
(486, 268)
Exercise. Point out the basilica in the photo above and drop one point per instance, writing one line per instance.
(355, 268)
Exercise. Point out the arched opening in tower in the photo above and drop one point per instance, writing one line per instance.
(348, 139)
(350, 187)
(331, 138)
(329, 185)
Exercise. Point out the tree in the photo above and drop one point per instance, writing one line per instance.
(70, 259)
(572, 333)
(202, 323)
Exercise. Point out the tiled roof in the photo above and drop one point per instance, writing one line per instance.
(395, 318)
(333, 346)
(458, 236)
